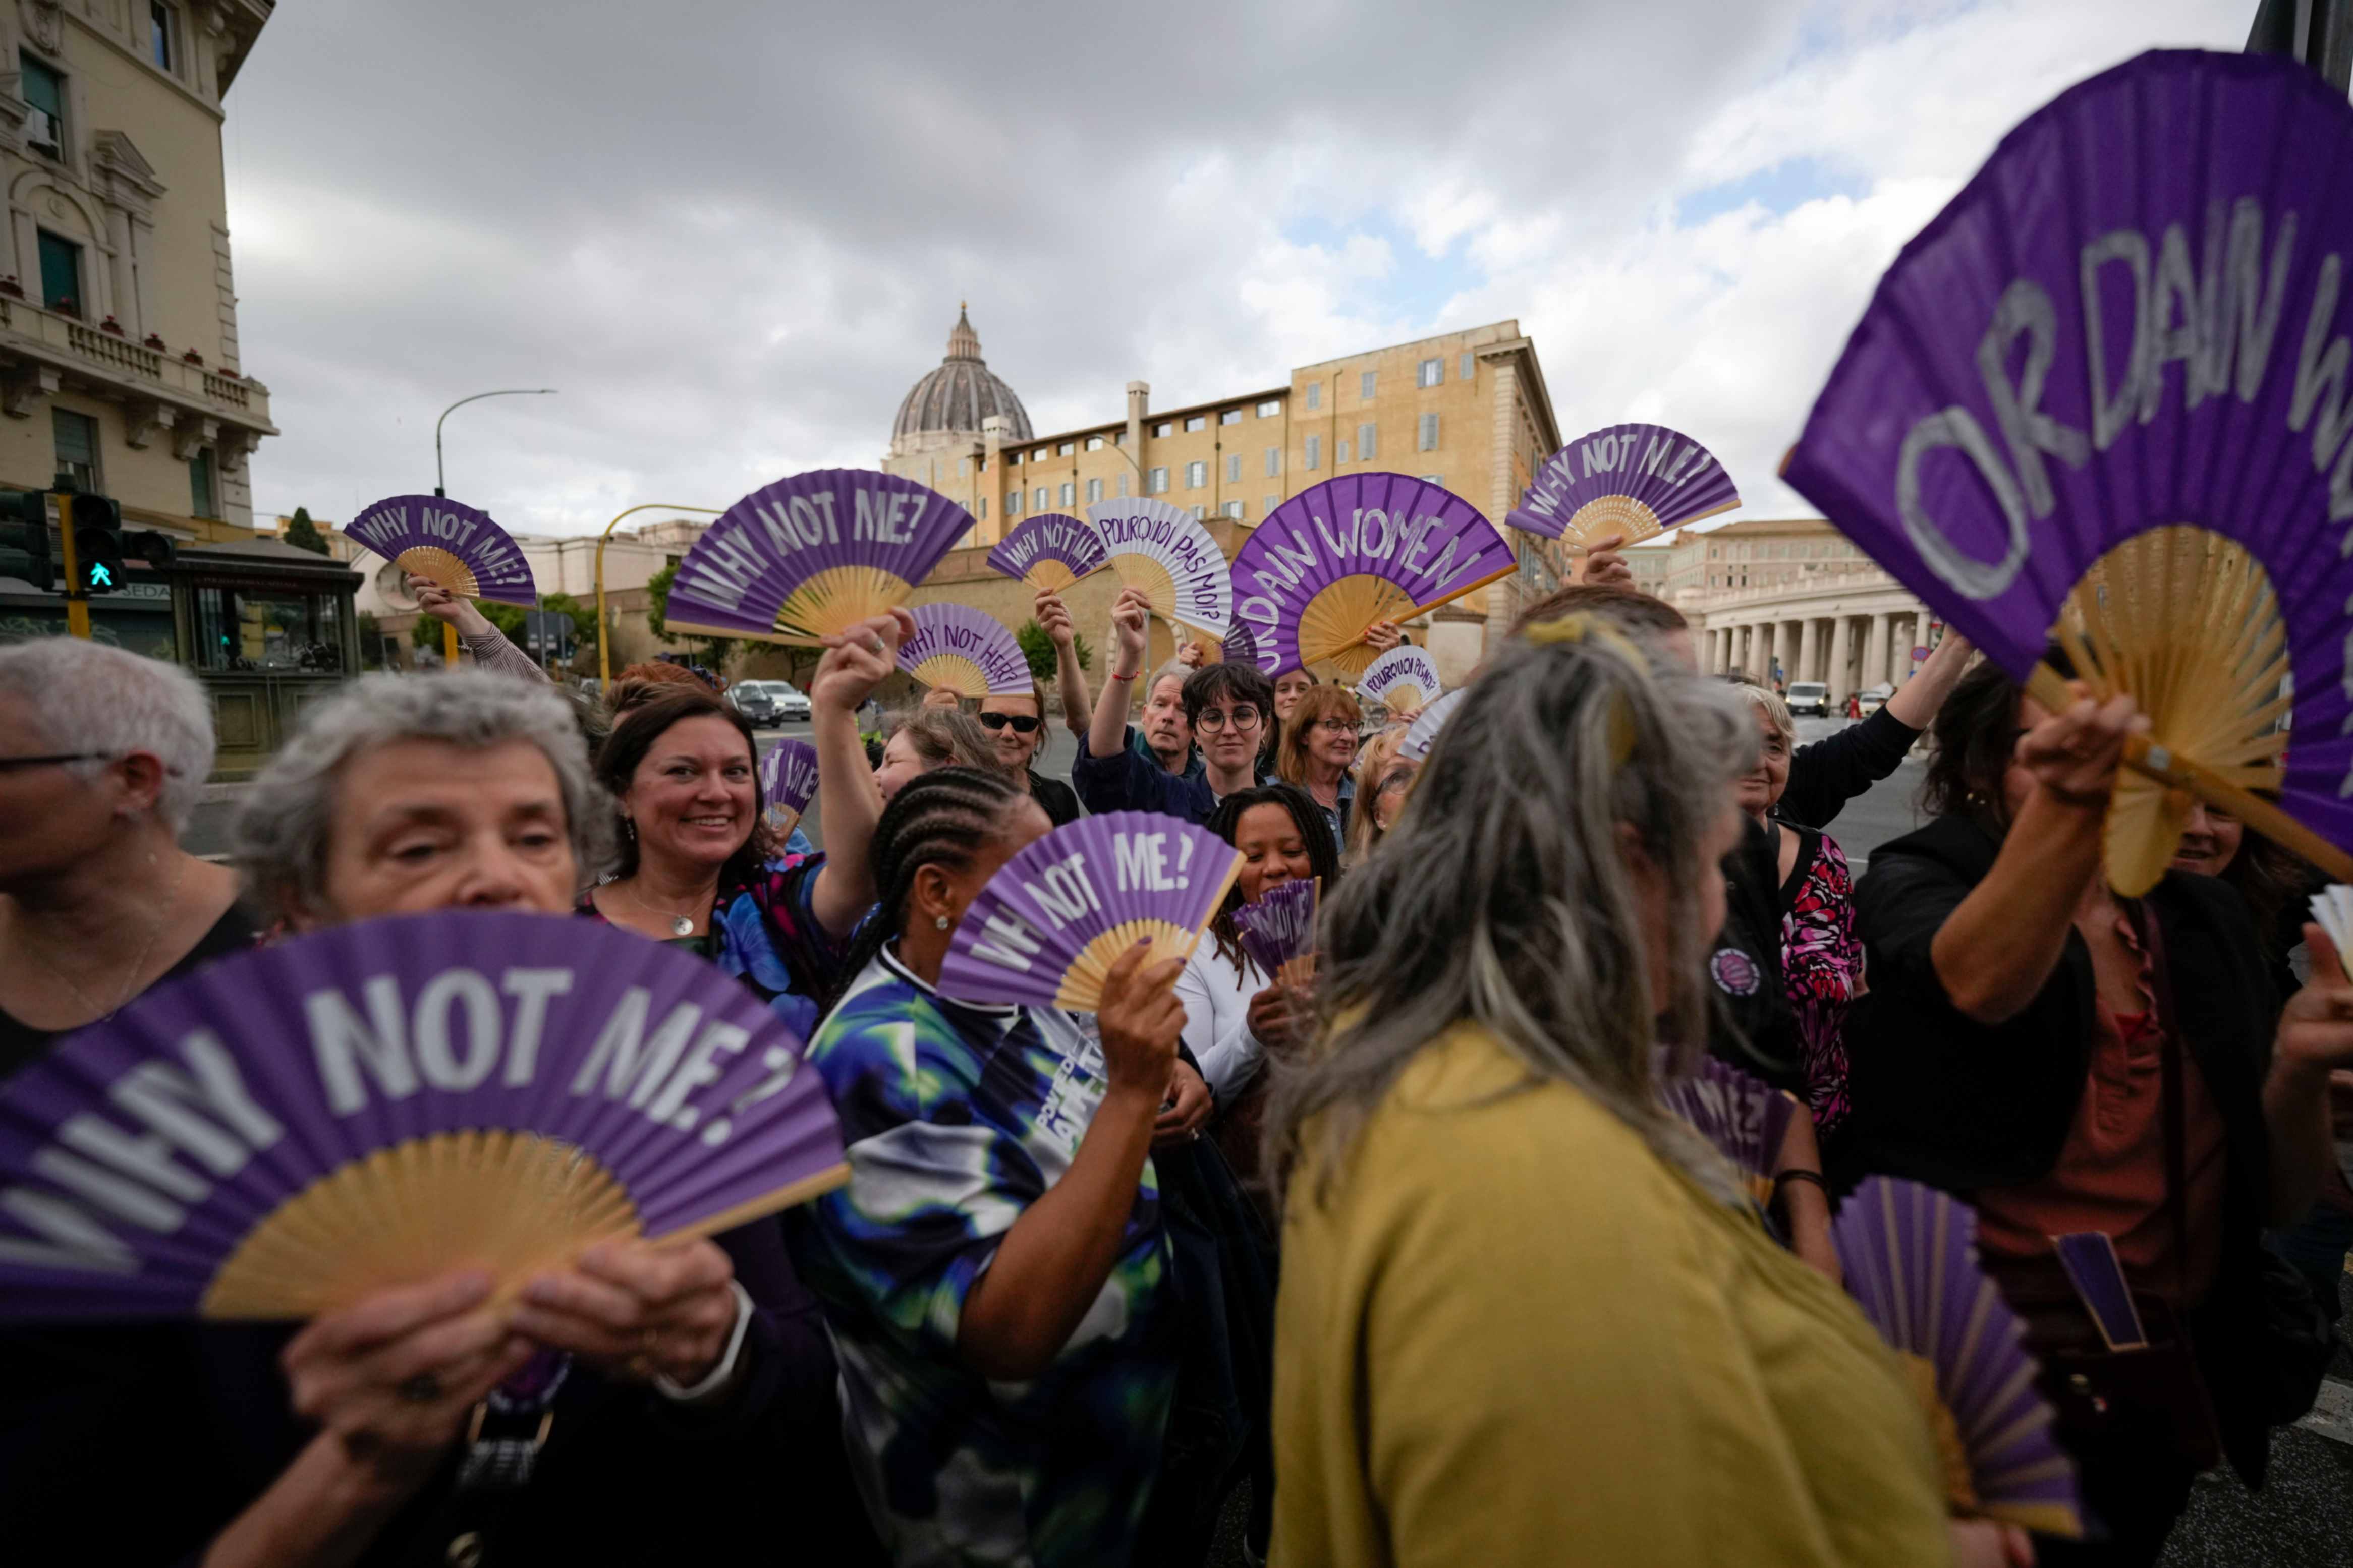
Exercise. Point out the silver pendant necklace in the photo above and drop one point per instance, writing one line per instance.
(680, 925)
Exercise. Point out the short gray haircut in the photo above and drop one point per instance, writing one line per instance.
(282, 832)
(1775, 709)
(88, 697)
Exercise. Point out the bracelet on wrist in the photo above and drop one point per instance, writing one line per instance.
(1131, 675)
(1799, 1174)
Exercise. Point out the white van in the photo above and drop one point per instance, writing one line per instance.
(1810, 697)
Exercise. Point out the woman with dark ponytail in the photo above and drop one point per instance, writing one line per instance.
(995, 1274)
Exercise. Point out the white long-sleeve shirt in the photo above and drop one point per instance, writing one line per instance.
(1217, 998)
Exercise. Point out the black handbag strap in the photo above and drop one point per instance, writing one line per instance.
(2173, 1090)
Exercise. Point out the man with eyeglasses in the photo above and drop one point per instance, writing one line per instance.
(1016, 723)
(1228, 708)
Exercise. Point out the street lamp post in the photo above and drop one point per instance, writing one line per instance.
(448, 632)
(604, 625)
(438, 479)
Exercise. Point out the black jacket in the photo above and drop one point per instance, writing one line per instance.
(1944, 1100)
(1826, 774)
(1059, 800)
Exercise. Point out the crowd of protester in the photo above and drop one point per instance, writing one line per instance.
(1525, 1313)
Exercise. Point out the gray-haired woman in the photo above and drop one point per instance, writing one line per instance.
(429, 1421)
(1503, 1256)
(102, 758)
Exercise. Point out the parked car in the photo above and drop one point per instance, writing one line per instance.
(1873, 698)
(1810, 697)
(769, 702)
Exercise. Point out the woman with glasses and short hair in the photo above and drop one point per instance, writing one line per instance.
(1015, 723)
(102, 758)
(1319, 741)
(1228, 707)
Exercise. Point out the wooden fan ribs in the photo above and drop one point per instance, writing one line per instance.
(438, 566)
(1333, 624)
(834, 600)
(1606, 515)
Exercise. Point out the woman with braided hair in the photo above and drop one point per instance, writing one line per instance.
(996, 1275)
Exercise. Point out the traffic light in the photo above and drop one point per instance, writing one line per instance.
(24, 538)
(98, 542)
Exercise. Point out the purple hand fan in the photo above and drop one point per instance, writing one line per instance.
(1050, 551)
(1168, 553)
(806, 557)
(788, 784)
(289, 1130)
(1423, 733)
(456, 546)
(1744, 1117)
(1278, 931)
(1050, 924)
(1403, 680)
(1241, 645)
(2089, 1257)
(2104, 396)
(1910, 1257)
(1329, 562)
(1633, 480)
(966, 650)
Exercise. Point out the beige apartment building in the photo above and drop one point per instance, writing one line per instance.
(1468, 410)
(119, 358)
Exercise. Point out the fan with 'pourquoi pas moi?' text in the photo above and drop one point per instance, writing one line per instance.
(290, 1129)
(1049, 550)
(1333, 562)
(1050, 924)
(1403, 680)
(2102, 399)
(1633, 480)
(808, 557)
(968, 651)
(1168, 555)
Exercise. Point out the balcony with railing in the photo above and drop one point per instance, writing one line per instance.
(122, 368)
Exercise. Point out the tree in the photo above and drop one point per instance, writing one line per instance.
(715, 651)
(508, 619)
(1039, 648)
(303, 535)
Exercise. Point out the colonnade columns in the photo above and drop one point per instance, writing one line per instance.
(1807, 647)
(1875, 655)
(1841, 651)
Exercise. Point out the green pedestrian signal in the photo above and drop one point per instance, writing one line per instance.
(98, 543)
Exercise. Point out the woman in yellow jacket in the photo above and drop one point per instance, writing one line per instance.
(1526, 1315)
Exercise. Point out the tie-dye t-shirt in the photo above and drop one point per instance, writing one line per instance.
(765, 932)
(957, 1118)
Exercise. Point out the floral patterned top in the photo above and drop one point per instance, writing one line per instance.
(765, 933)
(1822, 966)
(957, 1118)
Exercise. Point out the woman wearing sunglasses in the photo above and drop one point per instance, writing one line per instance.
(1016, 725)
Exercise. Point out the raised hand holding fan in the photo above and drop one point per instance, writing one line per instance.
(1049, 550)
(1404, 680)
(1167, 552)
(1278, 931)
(788, 784)
(1333, 562)
(1052, 923)
(1423, 733)
(290, 1129)
(808, 557)
(455, 546)
(1633, 480)
(968, 651)
(2099, 398)
(1909, 1253)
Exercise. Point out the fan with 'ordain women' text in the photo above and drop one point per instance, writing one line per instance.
(1633, 481)
(966, 650)
(1331, 563)
(1170, 555)
(1909, 1253)
(290, 1129)
(2103, 397)
(1049, 550)
(1050, 924)
(806, 557)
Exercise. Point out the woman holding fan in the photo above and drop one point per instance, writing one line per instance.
(2084, 1065)
(696, 867)
(1495, 1230)
(995, 1274)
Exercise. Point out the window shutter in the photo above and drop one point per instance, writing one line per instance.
(1429, 432)
(1368, 442)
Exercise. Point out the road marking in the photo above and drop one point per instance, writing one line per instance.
(2332, 1413)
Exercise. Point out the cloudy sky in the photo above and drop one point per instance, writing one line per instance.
(733, 233)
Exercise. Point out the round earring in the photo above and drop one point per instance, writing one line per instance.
(940, 922)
